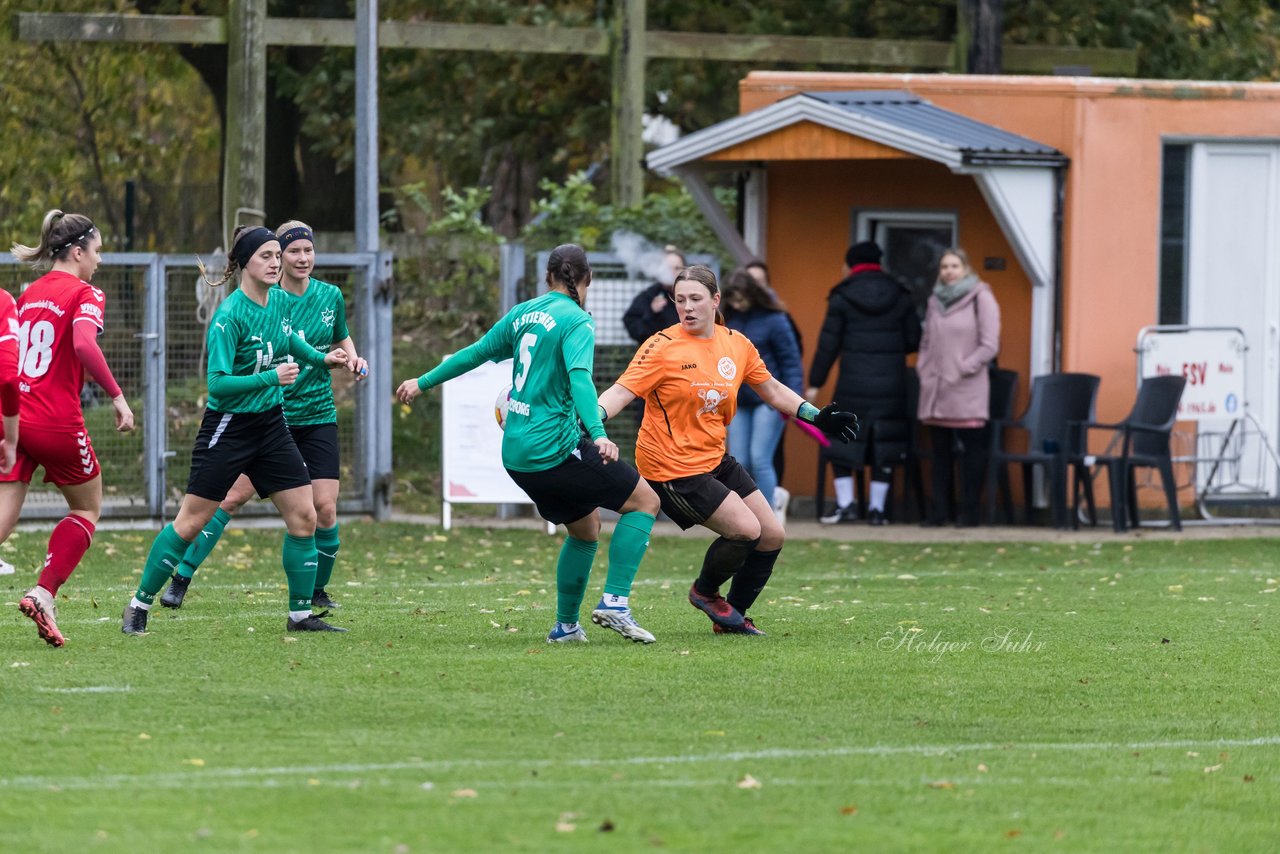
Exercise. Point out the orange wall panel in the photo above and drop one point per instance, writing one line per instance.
(808, 141)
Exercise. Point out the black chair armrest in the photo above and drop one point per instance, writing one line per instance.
(1157, 429)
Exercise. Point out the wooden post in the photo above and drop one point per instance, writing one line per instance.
(626, 166)
(243, 172)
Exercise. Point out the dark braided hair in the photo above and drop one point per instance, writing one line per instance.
(568, 266)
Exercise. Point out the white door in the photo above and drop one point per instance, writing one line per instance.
(1233, 276)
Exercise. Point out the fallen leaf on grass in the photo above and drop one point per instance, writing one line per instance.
(942, 784)
(749, 782)
(199, 763)
(606, 826)
(982, 768)
(1248, 778)
(849, 810)
(143, 736)
(1193, 754)
(1210, 769)
(1175, 588)
(465, 793)
(565, 827)
(907, 577)
(716, 732)
(1012, 834)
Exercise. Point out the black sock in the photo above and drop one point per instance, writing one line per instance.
(752, 578)
(724, 558)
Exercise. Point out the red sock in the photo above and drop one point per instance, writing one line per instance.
(67, 544)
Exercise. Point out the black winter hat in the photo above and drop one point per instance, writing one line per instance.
(866, 252)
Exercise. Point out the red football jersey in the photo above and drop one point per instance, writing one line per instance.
(50, 375)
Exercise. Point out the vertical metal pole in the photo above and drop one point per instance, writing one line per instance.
(512, 260)
(366, 125)
(154, 421)
(376, 299)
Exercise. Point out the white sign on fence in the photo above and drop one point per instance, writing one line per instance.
(1212, 360)
(471, 469)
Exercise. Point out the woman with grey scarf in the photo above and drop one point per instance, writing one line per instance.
(961, 337)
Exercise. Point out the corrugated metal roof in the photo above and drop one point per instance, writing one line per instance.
(974, 139)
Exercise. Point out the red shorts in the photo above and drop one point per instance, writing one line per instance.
(67, 457)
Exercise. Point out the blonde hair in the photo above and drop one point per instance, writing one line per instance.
(58, 234)
(293, 223)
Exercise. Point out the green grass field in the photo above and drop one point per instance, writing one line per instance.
(950, 697)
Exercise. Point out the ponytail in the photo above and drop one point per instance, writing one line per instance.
(58, 234)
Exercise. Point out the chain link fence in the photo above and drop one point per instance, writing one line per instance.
(157, 315)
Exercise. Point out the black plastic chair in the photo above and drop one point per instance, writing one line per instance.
(1059, 404)
(1004, 390)
(1144, 443)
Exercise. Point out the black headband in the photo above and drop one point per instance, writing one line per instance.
(250, 242)
(300, 232)
(72, 242)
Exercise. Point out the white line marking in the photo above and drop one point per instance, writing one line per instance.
(165, 779)
(88, 689)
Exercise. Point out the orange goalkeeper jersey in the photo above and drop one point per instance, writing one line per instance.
(690, 389)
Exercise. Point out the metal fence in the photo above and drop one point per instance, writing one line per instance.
(156, 319)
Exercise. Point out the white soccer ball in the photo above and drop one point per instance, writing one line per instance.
(500, 407)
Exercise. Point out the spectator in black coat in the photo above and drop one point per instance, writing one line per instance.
(871, 326)
(653, 309)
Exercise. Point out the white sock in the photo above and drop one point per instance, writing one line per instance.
(844, 492)
(136, 604)
(612, 601)
(879, 492)
(299, 615)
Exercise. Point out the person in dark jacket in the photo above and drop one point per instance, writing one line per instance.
(653, 310)
(871, 326)
(755, 432)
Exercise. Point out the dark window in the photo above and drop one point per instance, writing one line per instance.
(1175, 188)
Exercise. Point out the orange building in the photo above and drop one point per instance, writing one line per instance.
(1094, 207)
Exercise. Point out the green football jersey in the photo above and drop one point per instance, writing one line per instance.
(245, 338)
(547, 337)
(320, 316)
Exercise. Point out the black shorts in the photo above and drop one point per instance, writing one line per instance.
(255, 443)
(318, 444)
(574, 488)
(690, 501)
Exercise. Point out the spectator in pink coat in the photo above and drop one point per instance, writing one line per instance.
(961, 337)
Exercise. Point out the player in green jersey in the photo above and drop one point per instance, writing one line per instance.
(319, 315)
(551, 341)
(250, 339)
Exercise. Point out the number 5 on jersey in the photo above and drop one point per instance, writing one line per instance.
(527, 343)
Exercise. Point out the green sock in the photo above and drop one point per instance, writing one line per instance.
(327, 545)
(162, 560)
(203, 543)
(626, 550)
(572, 572)
(299, 558)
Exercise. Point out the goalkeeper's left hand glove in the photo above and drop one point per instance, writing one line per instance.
(836, 424)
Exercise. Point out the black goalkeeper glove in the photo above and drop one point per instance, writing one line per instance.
(836, 424)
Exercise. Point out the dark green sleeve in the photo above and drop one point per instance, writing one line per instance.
(495, 346)
(340, 332)
(304, 352)
(583, 392)
(223, 386)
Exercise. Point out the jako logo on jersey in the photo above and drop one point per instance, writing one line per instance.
(326, 317)
(688, 367)
(88, 308)
(727, 368)
(711, 400)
